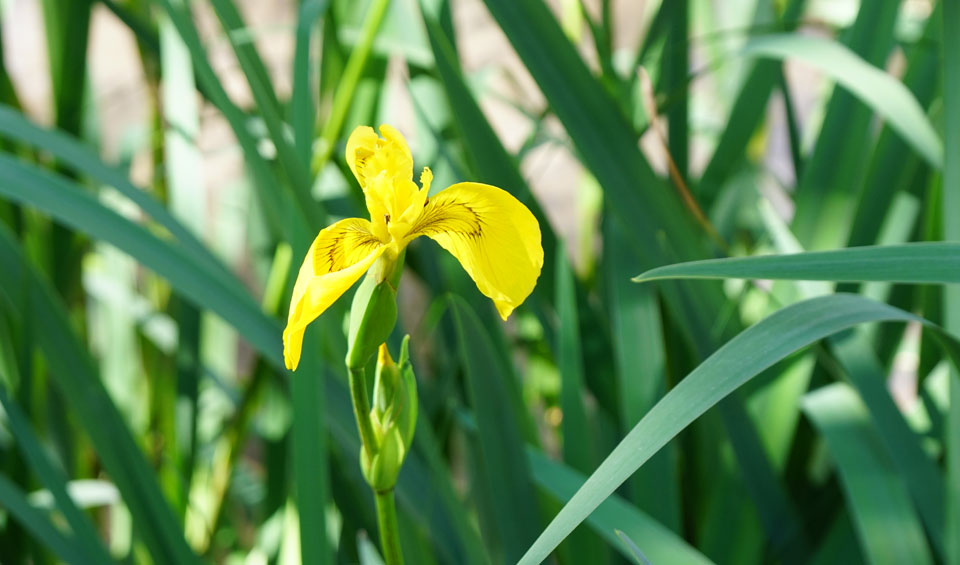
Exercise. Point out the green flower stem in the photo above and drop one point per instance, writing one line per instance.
(386, 506)
(389, 532)
(361, 410)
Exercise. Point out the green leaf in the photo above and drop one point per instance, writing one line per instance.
(747, 112)
(641, 372)
(302, 112)
(600, 132)
(883, 93)
(55, 479)
(38, 523)
(297, 170)
(577, 444)
(951, 231)
(893, 167)
(918, 471)
(73, 154)
(274, 197)
(882, 511)
(183, 173)
(73, 370)
(922, 263)
(658, 542)
(738, 361)
(513, 506)
(826, 192)
(73, 206)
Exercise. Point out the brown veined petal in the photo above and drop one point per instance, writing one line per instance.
(494, 236)
(339, 255)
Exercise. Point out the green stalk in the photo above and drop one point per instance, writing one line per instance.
(389, 532)
(361, 410)
(348, 85)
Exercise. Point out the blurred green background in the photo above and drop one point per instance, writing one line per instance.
(164, 165)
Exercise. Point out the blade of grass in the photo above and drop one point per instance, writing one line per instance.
(674, 84)
(742, 358)
(86, 537)
(302, 110)
(347, 85)
(183, 174)
(640, 360)
(884, 94)
(951, 232)
(825, 194)
(38, 524)
(577, 445)
(746, 114)
(778, 516)
(487, 381)
(297, 171)
(881, 509)
(67, 25)
(578, 440)
(309, 429)
(893, 165)
(917, 471)
(925, 262)
(75, 207)
(72, 369)
(73, 154)
(282, 217)
(658, 542)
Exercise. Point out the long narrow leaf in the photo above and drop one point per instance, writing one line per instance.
(514, 507)
(55, 479)
(927, 262)
(72, 368)
(73, 206)
(658, 542)
(745, 356)
(884, 94)
(885, 520)
(71, 153)
(951, 232)
(38, 523)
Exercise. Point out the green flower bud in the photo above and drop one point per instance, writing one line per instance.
(372, 317)
(393, 416)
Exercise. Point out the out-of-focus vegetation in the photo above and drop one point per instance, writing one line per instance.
(146, 413)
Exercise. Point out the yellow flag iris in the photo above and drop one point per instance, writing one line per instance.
(494, 236)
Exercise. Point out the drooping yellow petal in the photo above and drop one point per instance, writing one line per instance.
(493, 235)
(338, 257)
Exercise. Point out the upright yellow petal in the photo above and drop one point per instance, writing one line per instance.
(493, 235)
(360, 146)
(384, 169)
(338, 257)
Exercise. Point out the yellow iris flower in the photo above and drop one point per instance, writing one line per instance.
(494, 236)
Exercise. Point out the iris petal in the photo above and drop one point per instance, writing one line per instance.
(494, 236)
(338, 257)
